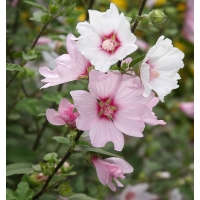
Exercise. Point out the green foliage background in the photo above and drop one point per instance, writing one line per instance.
(29, 136)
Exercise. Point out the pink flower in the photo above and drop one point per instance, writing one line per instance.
(65, 114)
(111, 169)
(69, 67)
(106, 39)
(114, 105)
(188, 108)
(137, 192)
(43, 40)
(188, 28)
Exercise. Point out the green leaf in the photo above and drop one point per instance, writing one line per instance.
(137, 60)
(71, 174)
(51, 157)
(19, 168)
(83, 143)
(23, 192)
(17, 54)
(30, 57)
(100, 151)
(53, 97)
(14, 67)
(80, 197)
(36, 5)
(37, 16)
(61, 139)
(9, 194)
(37, 168)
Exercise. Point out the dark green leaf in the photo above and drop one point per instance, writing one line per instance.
(23, 192)
(100, 151)
(137, 60)
(83, 143)
(17, 54)
(61, 139)
(53, 97)
(36, 5)
(13, 67)
(19, 168)
(80, 197)
(9, 194)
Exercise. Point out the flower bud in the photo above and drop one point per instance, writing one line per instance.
(65, 189)
(47, 168)
(144, 21)
(157, 17)
(53, 8)
(44, 17)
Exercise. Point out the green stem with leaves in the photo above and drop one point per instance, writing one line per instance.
(67, 155)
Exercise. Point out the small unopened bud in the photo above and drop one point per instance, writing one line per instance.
(44, 17)
(163, 175)
(53, 8)
(157, 17)
(65, 189)
(42, 177)
(144, 21)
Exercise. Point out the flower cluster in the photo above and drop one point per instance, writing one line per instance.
(117, 101)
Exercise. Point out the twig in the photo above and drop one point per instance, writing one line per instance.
(24, 62)
(134, 25)
(67, 155)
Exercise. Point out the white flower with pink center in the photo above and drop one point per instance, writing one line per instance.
(159, 68)
(64, 116)
(111, 169)
(69, 67)
(115, 104)
(106, 39)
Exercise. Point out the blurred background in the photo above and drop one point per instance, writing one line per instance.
(162, 159)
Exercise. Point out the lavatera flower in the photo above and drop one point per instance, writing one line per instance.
(159, 68)
(69, 67)
(64, 116)
(111, 169)
(106, 39)
(115, 104)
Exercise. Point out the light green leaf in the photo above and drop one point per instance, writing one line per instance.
(51, 157)
(100, 151)
(36, 168)
(19, 168)
(30, 57)
(23, 192)
(37, 16)
(36, 5)
(71, 174)
(13, 67)
(61, 139)
(80, 197)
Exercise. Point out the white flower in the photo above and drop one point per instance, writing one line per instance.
(106, 39)
(159, 68)
(137, 192)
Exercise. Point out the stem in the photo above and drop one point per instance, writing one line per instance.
(134, 25)
(67, 155)
(24, 62)
(89, 7)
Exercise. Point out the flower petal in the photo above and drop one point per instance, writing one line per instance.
(54, 118)
(104, 86)
(105, 131)
(87, 106)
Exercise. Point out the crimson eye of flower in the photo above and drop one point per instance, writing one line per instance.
(130, 196)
